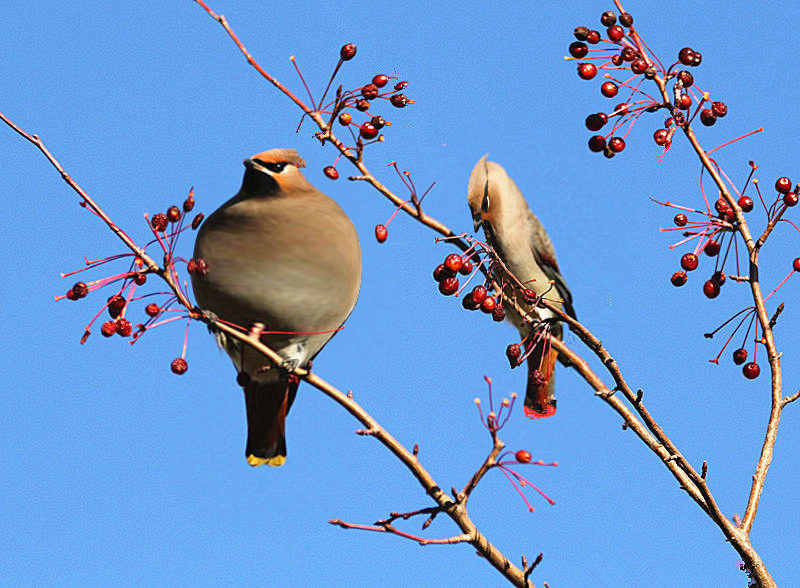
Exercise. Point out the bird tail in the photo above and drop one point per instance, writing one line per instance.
(540, 401)
(268, 403)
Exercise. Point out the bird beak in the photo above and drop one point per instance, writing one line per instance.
(253, 164)
(477, 221)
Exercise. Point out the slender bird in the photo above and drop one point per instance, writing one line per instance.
(282, 255)
(521, 242)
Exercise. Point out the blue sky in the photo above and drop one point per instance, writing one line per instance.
(117, 472)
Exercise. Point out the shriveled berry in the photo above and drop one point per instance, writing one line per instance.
(796, 264)
(751, 370)
(513, 353)
(686, 56)
(538, 378)
(488, 304)
(80, 290)
(448, 286)
(523, 456)
(597, 143)
(370, 91)
(586, 71)
(345, 119)
(347, 52)
(399, 100)
(478, 294)
(616, 144)
(152, 309)
(722, 207)
(124, 327)
(608, 18)
(581, 33)
(466, 268)
(711, 289)
(331, 172)
(197, 220)
(200, 266)
(790, 199)
(499, 313)
(243, 379)
(686, 78)
(173, 214)
(680, 220)
(746, 203)
(400, 85)
(362, 105)
(381, 233)
(188, 204)
(159, 222)
(609, 89)
(179, 366)
(139, 279)
(783, 185)
(720, 109)
(380, 80)
(595, 122)
(689, 262)
(578, 49)
(615, 33)
(453, 262)
(718, 277)
(678, 279)
(441, 273)
(115, 305)
(660, 136)
(712, 248)
(108, 329)
(593, 37)
(707, 117)
(378, 122)
(638, 66)
(740, 356)
(625, 19)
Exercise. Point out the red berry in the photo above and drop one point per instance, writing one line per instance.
(638, 66)
(581, 33)
(159, 222)
(400, 85)
(368, 131)
(80, 290)
(448, 286)
(378, 122)
(746, 203)
(621, 109)
(711, 289)
(173, 214)
(331, 172)
(399, 100)
(370, 91)
(617, 59)
(453, 262)
(152, 309)
(115, 306)
(718, 277)
(578, 49)
(513, 353)
(615, 33)
(499, 313)
(243, 379)
(689, 262)
(719, 108)
(751, 370)
(686, 56)
(593, 37)
(179, 366)
(478, 294)
(678, 279)
(625, 19)
(380, 80)
(783, 185)
(441, 272)
(469, 304)
(523, 456)
(686, 78)
(587, 71)
(684, 101)
(608, 18)
(595, 122)
(712, 248)
(707, 117)
(616, 144)
(466, 268)
(740, 356)
(108, 329)
(381, 233)
(347, 52)
(124, 327)
(71, 294)
(629, 54)
(529, 296)
(698, 57)
(345, 119)
(660, 136)
(790, 199)
(597, 143)
(796, 264)
(362, 105)
(139, 279)
(488, 304)
(609, 89)
(188, 204)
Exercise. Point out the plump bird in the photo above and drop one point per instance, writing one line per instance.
(281, 254)
(517, 236)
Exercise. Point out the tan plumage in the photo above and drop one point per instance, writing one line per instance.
(283, 254)
(514, 232)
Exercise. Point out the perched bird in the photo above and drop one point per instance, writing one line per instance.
(281, 254)
(520, 240)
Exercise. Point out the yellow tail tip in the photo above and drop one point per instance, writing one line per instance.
(274, 461)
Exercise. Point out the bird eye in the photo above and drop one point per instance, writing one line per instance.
(485, 203)
(275, 167)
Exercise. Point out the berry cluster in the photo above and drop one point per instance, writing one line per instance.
(166, 228)
(446, 274)
(630, 53)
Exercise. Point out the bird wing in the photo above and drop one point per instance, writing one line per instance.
(545, 255)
